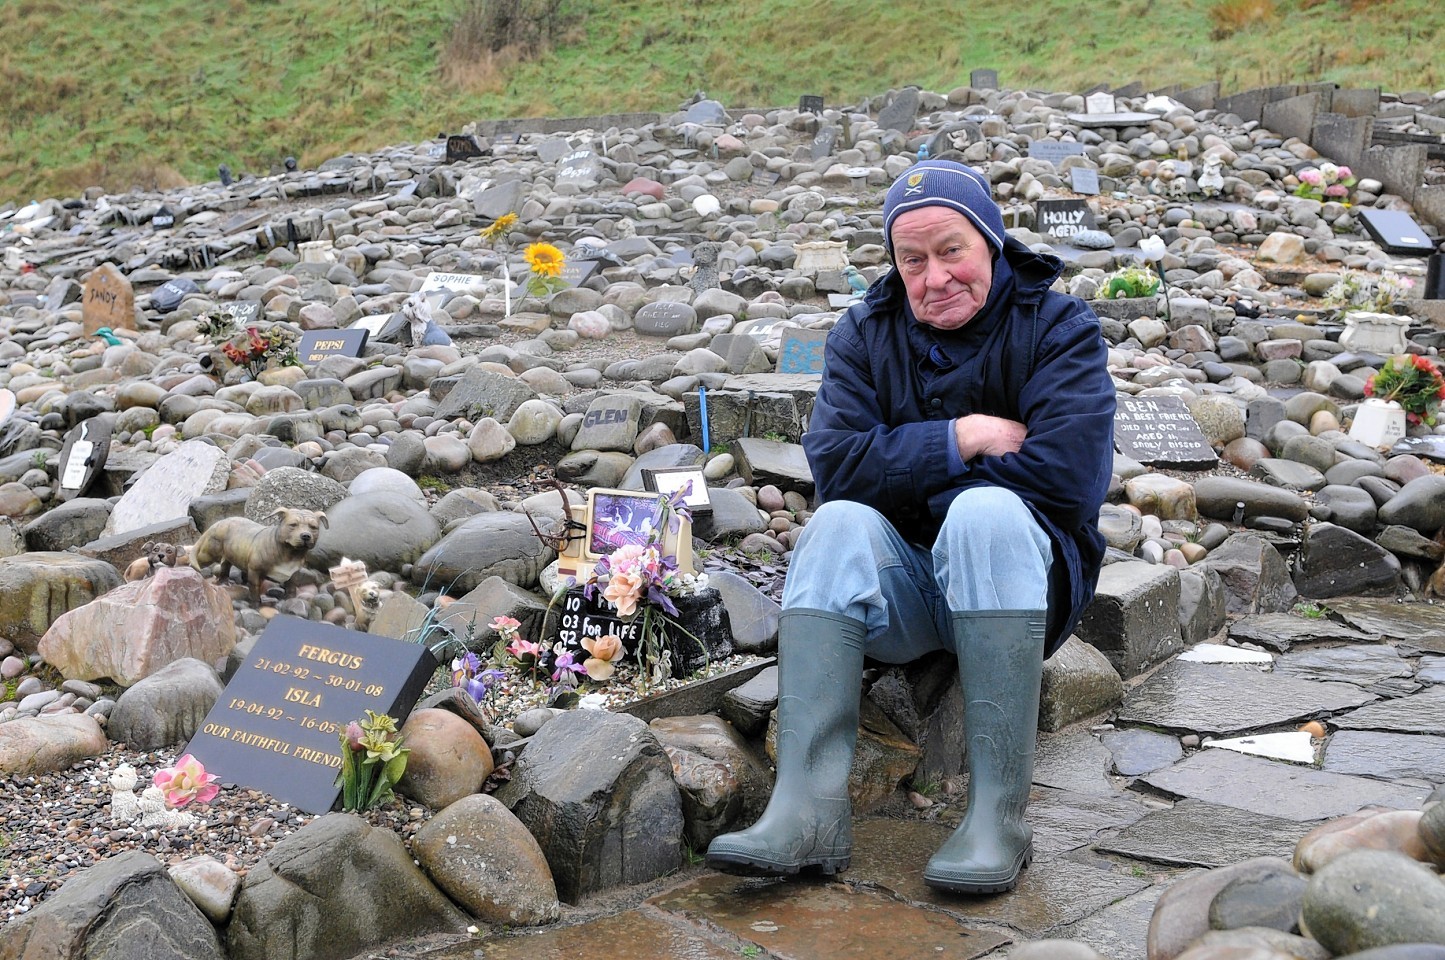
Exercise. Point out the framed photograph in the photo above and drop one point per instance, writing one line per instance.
(669, 480)
(617, 519)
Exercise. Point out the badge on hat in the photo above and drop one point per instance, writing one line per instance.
(913, 186)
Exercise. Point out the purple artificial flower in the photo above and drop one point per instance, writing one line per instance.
(566, 664)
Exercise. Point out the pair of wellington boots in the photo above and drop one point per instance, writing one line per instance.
(808, 821)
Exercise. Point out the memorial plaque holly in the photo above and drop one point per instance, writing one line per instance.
(278, 723)
(698, 635)
(1062, 219)
(1054, 151)
(801, 351)
(1159, 431)
(317, 345)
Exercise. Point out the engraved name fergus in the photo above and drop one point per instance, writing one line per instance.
(347, 661)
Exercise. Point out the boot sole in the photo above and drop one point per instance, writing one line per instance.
(743, 866)
(977, 885)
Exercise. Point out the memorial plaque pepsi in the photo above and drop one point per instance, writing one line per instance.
(317, 345)
(802, 351)
(1159, 431)
(1062, 219)
(278, 723)
(1054, 151)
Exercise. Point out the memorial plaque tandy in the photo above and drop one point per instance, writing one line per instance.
(1160, 431)
(278, 723)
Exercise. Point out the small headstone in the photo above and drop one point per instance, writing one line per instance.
(1100, 102)
(580, 166)
(169, 295)
(107, 301)
(765, 178)
(373, 324)
(225, 172)
(664, 319)
(704, 275)
(454, 282)
(1396, 232)
(1054, 151)
(1062, 219)
(901, 112)
(816, 256)
(163, 219)
(802, 351)
(707, 113)
(165, 491)
(464, 147)
(824, 142)
(983, 79)
(277, 726)
(317, 345)
(610, 423)
(83, 456)
(244, 312)
(1083, 180)
(809, 103)
(1159, 431)
(702, 617)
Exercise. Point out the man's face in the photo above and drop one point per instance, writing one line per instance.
(946, 264)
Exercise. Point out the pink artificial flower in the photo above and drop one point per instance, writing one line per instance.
(506, 626)
(187, 781)
(1345, 173)
(1337, 190)
(520, 648)
(354, 736)
(1311, 177)
(623, 591)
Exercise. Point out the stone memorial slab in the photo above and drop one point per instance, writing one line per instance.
(892, 854)
(83, 456)
(1282, 631)
(664, 319)
(1415, 626)
(1101, 102)
(243, 312)
(610, 423)
(580, 167)
(1054, 151)
(901, 111)
(278, 723)
(842, 301)
(373, 324)
(801, 351)
(1062, 219)
(1422, 713)
(1127, 118)
(317, 345)
(1396, 232)
(169, 295)
(765, 178)
(825, 141)
(983, 79)
(494, 202)
(1279, 790)
(810, 103)
(165, 491)
(461, 282)
(1291, 746)
(482, 393)
(464, 146)
(1158, 431)
(1386, 756)
(107, 300)
(1226, 701)
(163, 219)
(1083, 180)
(707, 113)
(823, 920)
(1194, 833)
(1357, 664)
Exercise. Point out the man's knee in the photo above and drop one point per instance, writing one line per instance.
(981, 510)
(844, 520)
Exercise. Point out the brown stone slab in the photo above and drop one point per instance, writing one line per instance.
(1051, 893)
(803, 920)
(627, 936)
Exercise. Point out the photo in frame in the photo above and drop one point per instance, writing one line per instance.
(669, 480)
(613, 519)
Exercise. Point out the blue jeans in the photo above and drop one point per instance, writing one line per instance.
(990, 555)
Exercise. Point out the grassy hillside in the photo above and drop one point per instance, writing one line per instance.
(158, 92)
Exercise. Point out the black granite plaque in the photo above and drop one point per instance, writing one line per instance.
(1054, 151)
(1396, 232)
(278, 723)
(463, 147)
(1062, 219)
(810, 103)
(1159, 431)
(83, 457)
(317, 345)
(801, 351)
(983, 79)
(699, 634)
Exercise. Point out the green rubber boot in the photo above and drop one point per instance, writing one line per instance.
(809, 819)
(1000, 667)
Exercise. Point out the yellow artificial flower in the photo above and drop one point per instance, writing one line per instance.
(544, 259)
(500, 226)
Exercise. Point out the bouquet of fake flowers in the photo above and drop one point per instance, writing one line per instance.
(256, 349)
(1361, 291)
(1327, 182)
(372, 761)
(1414, 383)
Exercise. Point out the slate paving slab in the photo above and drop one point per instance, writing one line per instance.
(1119, 931)
(1221, 700)
(1194, 833)
(627, 936)
(1065, 821)
(1423, 712)
(1361, 665)
(1386, 756)
(1074, 761)
(802, 920)
(892, 854)
(1135, 752)
(1416, 626)
(1274, 789)
(1281, 631)
(1432, 670)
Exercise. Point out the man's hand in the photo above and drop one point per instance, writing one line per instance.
(990, 436)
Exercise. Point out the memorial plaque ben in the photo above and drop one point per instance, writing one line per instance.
(1159, 431)
(278, 723)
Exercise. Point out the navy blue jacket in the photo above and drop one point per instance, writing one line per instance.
(881, 426)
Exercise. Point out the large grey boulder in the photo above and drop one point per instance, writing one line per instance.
(596, 790)
(72, 524)
(30, 746)
(488, 545)
(384, 530)
(36, 589)
(1255, 577)
(1079, 681)
(166, 707)
(1336, 562)
(1374, 898)
(1201, 604)
(1419, 504)
(332, 890)
(716, 739)
(484, 858)
(122, 908)
(1220, 497)
(481, 393)
(292, 487)
(1134, 618)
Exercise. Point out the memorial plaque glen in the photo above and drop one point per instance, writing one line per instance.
(1054, 151)
(1159, 431)
(317, 345)
(1062, 219)
(802, 351)
(278, 723)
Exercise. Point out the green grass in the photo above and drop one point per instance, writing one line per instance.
(158, 92)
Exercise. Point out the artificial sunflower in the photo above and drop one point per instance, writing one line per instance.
(499, 226)
(544, 259)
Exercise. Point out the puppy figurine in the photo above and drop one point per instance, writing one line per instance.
(1435, 586)
(272, 551)
(365, 600)
(157, 555)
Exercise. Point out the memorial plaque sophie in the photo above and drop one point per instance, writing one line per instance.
(278, 723)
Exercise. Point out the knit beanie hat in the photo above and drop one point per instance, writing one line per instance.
(944, 183)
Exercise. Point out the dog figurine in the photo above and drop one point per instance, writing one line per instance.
(272, 551)
(1435, 586)
(156, 555)
(365, 600)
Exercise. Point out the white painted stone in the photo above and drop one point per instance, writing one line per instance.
(1295, 746)
(1219, 653)
(1378, 423)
